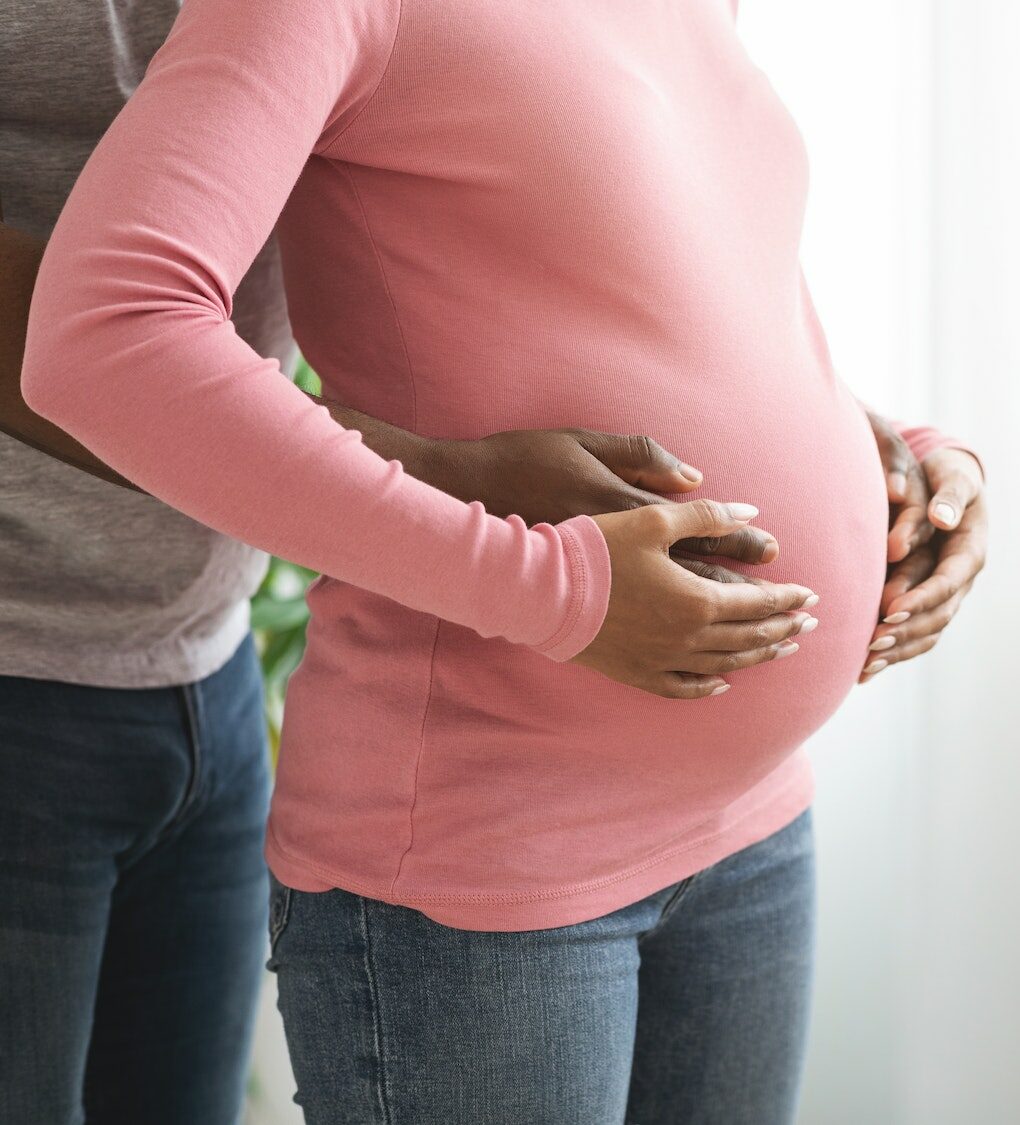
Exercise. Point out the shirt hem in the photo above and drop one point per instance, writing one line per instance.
(139, 669)
(567, 906)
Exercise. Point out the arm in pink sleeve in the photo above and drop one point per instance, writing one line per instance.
(923, 440)
(130, 347)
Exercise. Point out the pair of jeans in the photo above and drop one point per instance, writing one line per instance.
(133, 898)
(687, 1007)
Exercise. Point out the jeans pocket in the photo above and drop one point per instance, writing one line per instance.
(280, 898)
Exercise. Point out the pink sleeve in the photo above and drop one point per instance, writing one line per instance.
(926, 439)
(922, 440)
(130, 347)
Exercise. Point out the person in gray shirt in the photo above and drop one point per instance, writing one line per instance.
(134, 768)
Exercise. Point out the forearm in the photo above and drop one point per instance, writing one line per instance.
(20, 254)
(131, 348)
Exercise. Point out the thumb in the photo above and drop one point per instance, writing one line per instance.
(641, 462)
(947, 506)
(698, 518)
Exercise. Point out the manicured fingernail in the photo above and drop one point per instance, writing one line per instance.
(896, 618)
(898, 483)
(946, 513)
(809, 625)
(882, 643)
(688, 471)
(787, 648)
(742, 511)
(720, 689)
(876, 666)
(812, 600)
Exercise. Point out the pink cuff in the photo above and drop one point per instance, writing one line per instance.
(591, 574)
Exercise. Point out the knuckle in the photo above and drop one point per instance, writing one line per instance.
(656, 517)
(769, 601)
(707, 510)
(641, 447)
(761, 634)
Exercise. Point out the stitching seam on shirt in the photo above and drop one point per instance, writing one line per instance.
(421, 751)
(375, 88)
(389, 294)
(579, 574)
(357, 887)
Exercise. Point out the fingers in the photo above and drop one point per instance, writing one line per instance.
(958, 564)
(712, 571)
(723, 663)
(895, 644)
(911, 572)
(898, 462)
(911, 528)
(734, 637)
(640, 461)
(751, 601)
(696, 519)
(956, 479)
(683, 685)
(947, 506)
(749, 544)
(880, 663)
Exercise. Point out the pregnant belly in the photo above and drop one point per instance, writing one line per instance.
(805, 455)
(513, 757)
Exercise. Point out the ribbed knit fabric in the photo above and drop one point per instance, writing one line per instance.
(492, 216)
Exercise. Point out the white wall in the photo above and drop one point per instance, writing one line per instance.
(911, 112)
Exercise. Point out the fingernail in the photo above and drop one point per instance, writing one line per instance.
(896, 618)
(946, 513)
(742, 511)
(787, 648)
(876, 666)
(688, 471)
(812, 600)
(898, 483)
(882, 643)
(720, 689)
(809, 625)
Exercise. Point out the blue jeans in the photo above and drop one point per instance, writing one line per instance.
(132, 898)
(687, 1007)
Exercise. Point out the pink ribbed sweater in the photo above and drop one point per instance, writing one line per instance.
(493, 215)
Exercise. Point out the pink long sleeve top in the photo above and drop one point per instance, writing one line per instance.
(493, 216)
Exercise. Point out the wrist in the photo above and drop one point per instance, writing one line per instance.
(958, 454)
(443, 463)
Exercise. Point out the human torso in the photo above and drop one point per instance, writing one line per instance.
(551, 214)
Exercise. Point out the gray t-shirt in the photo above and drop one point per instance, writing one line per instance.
(98, 584)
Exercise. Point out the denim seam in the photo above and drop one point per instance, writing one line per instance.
(674, 901)
(279, 923)
(192, 727)
(377, 1028)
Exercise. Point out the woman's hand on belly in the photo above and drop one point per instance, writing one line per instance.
(925, 590)
(673, 632)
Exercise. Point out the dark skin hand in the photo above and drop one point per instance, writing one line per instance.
(938, 544)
